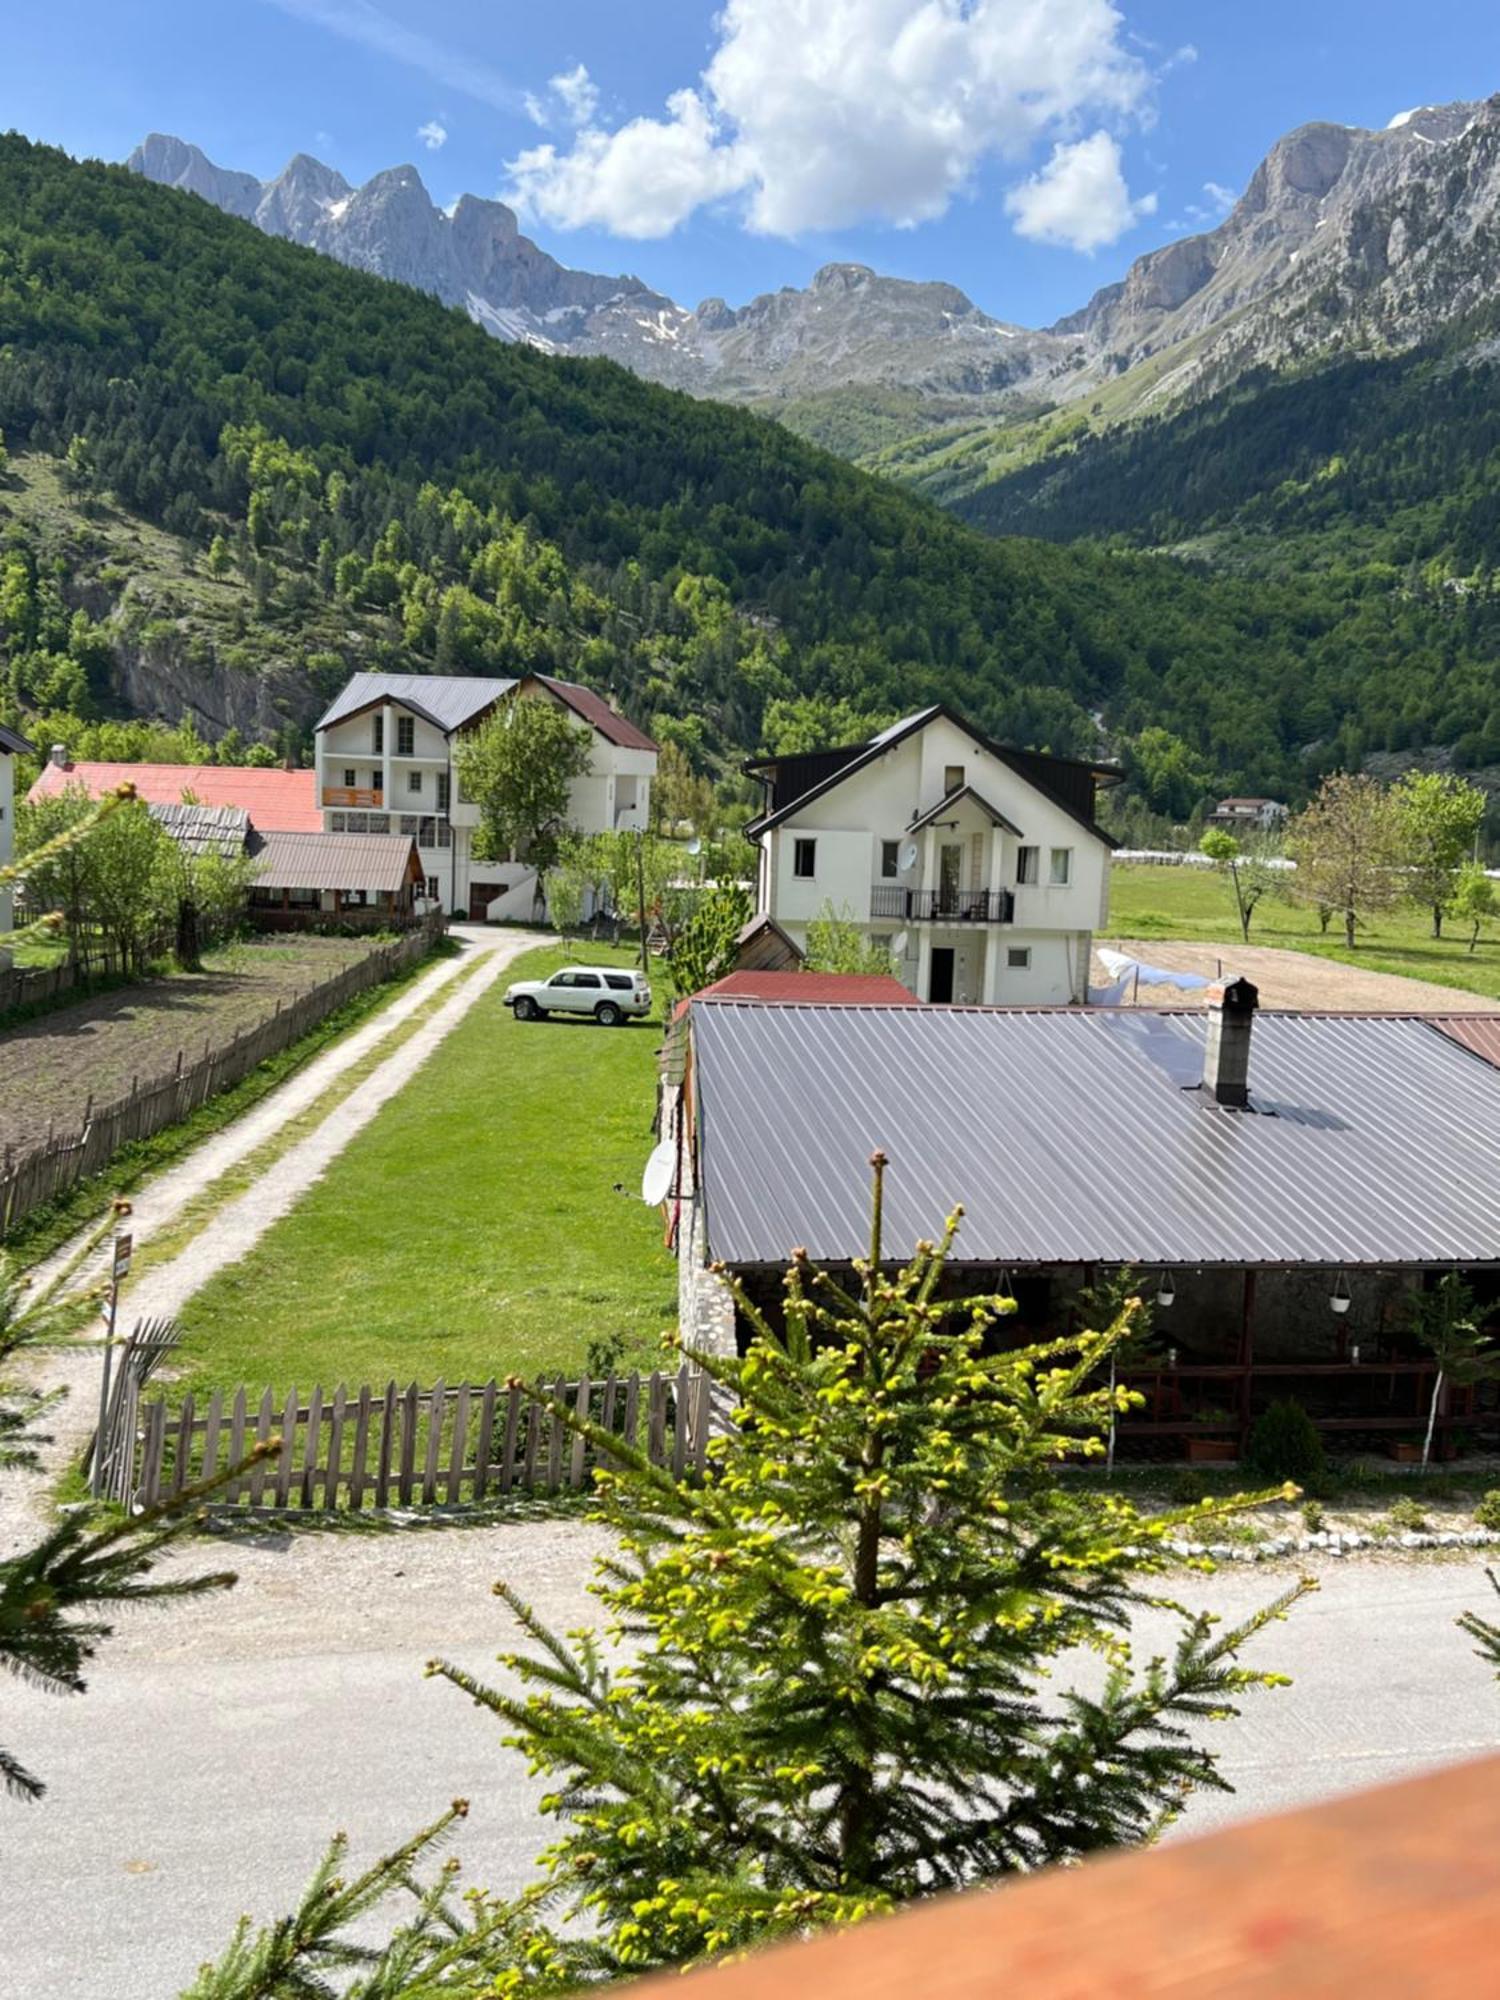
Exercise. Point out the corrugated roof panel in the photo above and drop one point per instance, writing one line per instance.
(369, 861)
(1076, 1137)
(450, 699)
(1479, 1033)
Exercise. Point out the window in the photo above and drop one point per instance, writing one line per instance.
(302, 896)
(586, 979)
(1018, 957)
(414, 781)
(336, 823)
(890, 860)
(1062, 867)
(953, 779)
(406, 735)
(351, 779)
(1026, 864)
(618, 982)
(377, 823)
(444, 834)
(442, 791)
(378, 740)
(432, 889)
(804, 859)
(409, 824)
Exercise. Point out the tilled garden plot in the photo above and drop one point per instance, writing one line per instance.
(50, 1068)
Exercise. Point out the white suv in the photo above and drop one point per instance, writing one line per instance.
(610, 995)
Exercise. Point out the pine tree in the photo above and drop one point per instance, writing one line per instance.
(840, 1698)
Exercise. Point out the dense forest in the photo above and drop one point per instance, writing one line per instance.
(1373, 482)
(386, 484)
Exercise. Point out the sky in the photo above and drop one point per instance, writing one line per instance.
(1024, 150)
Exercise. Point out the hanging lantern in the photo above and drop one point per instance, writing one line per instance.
(1166, 1289)
(1340, 1298)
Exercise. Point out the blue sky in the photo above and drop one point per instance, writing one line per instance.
(1025, 150)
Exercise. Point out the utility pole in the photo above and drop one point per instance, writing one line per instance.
(640, 889)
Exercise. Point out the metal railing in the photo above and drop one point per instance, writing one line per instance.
(941, 906)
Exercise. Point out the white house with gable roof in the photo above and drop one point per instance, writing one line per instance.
(981, 868)
(385, 764)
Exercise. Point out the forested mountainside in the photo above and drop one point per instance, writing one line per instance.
(384, 484)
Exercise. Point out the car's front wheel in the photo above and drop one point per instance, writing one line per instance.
(527, 1009)
(608, 1015)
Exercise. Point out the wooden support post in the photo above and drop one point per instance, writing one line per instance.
(1246, 1356)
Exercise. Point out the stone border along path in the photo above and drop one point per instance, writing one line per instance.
(231, 1232)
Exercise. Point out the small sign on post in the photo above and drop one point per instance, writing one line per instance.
(124, 1245)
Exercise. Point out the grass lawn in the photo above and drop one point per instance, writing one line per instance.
(472, 1229)
(1197, 904)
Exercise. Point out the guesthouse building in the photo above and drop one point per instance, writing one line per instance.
(981, 869)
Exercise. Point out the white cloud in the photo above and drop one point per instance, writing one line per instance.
(571, 98)
(362, 22)
(576, 91)
(816, 114)
(1079, 198)
(433, 135)
(641, 180)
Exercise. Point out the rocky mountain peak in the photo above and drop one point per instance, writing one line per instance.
(1332, 213)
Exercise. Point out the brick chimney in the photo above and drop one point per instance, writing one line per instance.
(1226, 1050)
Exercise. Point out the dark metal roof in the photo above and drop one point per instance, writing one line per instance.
(1066, 781)
(16, 744)
(593, 709)
(448, 701)
(371, 861)
(1078, 1136)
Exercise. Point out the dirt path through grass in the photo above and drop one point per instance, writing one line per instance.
(238, 1226)
(226, 1236)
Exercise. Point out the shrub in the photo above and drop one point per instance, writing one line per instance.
(1487, 1513)
(1284, 1444)
(1407, 1514)
(1313, 1518)
(1187, 1488)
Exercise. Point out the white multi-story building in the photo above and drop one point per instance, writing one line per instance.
(385, 764)
(11, 747)
(980, 868)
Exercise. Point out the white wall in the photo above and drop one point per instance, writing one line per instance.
(851, 820)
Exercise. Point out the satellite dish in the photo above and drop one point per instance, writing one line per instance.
(898, 944)
(908, 857)
(695, 846)
(661, 1171)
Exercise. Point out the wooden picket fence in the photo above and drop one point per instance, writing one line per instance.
(414, 1447)
(40, 985)
(30, 1179)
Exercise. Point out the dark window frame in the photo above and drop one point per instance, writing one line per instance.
(804, 847)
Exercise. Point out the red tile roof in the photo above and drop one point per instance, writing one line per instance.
(596, 711)
(827, 989)
(277, 801)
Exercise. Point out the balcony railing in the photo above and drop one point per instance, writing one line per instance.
(352, 795)
(939, 906)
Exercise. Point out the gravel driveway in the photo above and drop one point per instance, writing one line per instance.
(1292, 979)
(221, 1742)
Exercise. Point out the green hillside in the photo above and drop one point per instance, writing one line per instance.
(376, 481)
